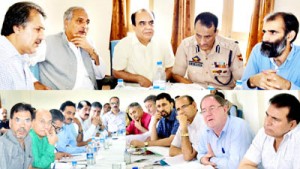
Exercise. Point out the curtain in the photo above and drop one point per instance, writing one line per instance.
(182, 17)
(261, 9)
(119, 25)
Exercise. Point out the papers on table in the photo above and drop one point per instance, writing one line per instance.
(164, 151)
(77, 157)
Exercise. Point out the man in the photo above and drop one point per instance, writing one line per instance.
(16, 140)
(140, 119)
(89, 125)
(68, 138)
(226, 138)
(207, 58)
(187, 138)
(106, 109)
(43, 139)
(4, 122)
(22, 32)
(150, 104)
(115, 119)
(273, 64)
(276, 145)
(166, 122)
(57, 124)
(135, 57)
(71, 61)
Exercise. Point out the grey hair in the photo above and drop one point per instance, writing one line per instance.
(134, 104)
(68, 15)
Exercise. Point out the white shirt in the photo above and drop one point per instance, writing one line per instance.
(114, 122)
(14, 69)
(89, 129)
(287, 156)
(194, 130)
(133, 57)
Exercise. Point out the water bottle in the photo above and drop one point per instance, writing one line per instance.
(211, 88)
(90, 155)
(127, 157)
(159, 78)
(102, 141)
(238, 85)
(74, 164)
(94, 146)
(120, 85)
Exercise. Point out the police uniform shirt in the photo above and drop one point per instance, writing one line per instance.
(220, 68)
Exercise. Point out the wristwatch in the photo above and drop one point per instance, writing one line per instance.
(146, 144)
(80, 132)
(184, 134)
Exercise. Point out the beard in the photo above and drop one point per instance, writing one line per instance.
(275, 49)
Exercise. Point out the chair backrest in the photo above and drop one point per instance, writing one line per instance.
(35, 71)
(112, 45)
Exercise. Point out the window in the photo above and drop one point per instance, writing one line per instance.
(234, 18)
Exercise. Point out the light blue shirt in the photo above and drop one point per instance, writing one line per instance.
(14, 69)
(289, 70)
(230, 147)
(67, 140)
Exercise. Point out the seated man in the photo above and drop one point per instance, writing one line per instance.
(140, 119)
(135, 56)
(43, 139)
(274, 63)
(68, 138)
(115, 119)
(207, 58)
(89, 126)
(71, 61)
(4, 122)
(226, 138)
(166, 122)
(276, 145)
(15, 144)
(191, 123)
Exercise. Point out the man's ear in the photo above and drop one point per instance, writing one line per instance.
(291, 35)
(16, 28)
(293, 124)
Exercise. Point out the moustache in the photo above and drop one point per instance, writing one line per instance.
(273, 49)
(22, 129)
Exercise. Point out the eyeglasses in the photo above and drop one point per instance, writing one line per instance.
(114, 103)
(183, 107)
(210, 109)
(57, 129)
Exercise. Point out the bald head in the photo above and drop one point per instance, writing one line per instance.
(42, 121)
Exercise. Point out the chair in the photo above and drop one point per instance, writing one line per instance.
(112, 46)
(35, 71)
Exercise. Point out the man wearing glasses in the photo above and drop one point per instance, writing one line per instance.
(16, 140)
(43, 139)
(191, 122)
(115, 119)
(225, 139)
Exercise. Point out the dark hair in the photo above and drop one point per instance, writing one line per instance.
(21, 107)
(216, 97)
(65, 104)
(207, 19)
(97, 105)
(114, 97)
(164, 96)
(150, 98)
(289, 101)
(82, 103)
(134, 14)
(220, 94)
(134, 104)
(19, 14)
(106, 104)
(57, 115)
(189, 98)
(290, 22)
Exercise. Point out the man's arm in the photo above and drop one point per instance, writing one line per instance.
(168, 73)
(174, 151)
(181, 79)
(247, 164)
(165, 142)
(154, 135)
(129, 77)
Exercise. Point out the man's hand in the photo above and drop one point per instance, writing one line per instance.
(52, 137)
(60, 155)
(3, 130)
(143, 81)
(138, 124)
(39, 86)
(82, 42)
(269, 80)
(96, 121)
(182, 119)
(206, 158)
(157, 117)
(137, 143)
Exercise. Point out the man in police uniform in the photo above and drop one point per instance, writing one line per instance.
(206, 58)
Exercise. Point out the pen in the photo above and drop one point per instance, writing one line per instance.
(223, 151)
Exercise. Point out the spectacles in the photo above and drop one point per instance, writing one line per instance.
(210, 109)
(114, 103)
(57, 129)
(183, 107)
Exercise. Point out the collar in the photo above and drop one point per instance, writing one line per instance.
(196, 120)
(172, 115)
(224, 128)
(289, 58)
(214, 49)
(135, 41)
(292, 132)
